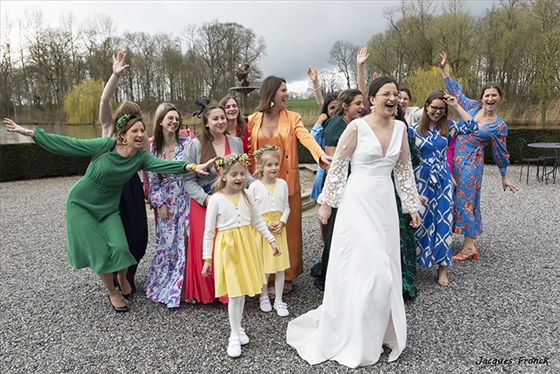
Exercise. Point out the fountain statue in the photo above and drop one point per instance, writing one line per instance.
(244, 87)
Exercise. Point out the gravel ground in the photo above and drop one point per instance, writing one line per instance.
(57, 319)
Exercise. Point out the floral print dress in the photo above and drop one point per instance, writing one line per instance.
(167, 270)
(468, 163)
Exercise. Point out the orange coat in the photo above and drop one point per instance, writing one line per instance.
(290, 130)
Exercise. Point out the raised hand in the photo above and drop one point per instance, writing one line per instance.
(443, 61)
(451, 100)
(119, 64)
(362, 56)
(312, 74)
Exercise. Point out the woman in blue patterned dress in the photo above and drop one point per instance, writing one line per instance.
(468, 162)
(431, 137)
(169, 198)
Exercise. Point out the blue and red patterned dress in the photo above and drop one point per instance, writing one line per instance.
(468, 163)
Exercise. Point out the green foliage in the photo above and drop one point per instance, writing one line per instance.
(82, 103)
(302, 103)
(37, 163)
(422, 81)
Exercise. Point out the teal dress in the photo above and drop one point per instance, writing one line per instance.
(95, 234)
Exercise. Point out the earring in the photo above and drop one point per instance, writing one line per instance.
(124, 142)
(372, 108)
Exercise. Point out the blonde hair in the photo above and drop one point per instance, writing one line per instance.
(261, 160)
(220, 182)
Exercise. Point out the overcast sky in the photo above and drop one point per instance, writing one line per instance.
(297, 33)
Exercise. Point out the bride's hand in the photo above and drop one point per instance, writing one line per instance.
(324, 213)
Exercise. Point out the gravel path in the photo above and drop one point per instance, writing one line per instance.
(55, 319)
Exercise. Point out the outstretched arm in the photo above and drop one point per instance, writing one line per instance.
(105, 113)
(312, 73)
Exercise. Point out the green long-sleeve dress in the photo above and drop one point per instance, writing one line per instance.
(95, 233)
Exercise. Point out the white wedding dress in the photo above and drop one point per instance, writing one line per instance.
(363, 306)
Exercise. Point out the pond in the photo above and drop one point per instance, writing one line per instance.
(74, 131)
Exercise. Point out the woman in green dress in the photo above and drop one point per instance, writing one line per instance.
(95, 233)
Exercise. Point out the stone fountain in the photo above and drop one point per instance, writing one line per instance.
(244, 87)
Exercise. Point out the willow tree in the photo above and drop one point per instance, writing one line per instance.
(82, 103)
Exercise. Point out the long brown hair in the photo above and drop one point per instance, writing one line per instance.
(345, 97)
(240, 119)
(268, 89)
(206, 138)
(161, 112)
(424, 124)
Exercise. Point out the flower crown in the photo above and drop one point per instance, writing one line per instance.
(258, 153)
(123, 120)
(231, 159)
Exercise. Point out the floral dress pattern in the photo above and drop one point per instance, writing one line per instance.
(167, 270)
(468, 163)
(433, 178)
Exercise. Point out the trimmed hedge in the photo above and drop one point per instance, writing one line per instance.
(29, 161)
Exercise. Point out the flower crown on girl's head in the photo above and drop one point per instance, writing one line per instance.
(231, 159)
(258, 153)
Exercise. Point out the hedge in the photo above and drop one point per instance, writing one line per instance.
(29, 161)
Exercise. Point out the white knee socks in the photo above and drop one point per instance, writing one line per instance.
(279, 285)
(235, 310)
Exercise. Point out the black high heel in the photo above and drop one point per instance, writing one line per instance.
(129, 296)
(118, 309)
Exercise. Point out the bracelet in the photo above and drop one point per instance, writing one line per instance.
(116, 75)
(316, 89)
(192, 167)
(209, 260)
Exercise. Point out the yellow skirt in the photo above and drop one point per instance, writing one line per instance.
(270, 263)
(238, 267)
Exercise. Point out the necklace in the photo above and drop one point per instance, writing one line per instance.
(219, 142)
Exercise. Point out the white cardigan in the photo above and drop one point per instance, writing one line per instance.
(222, 214)
(266, 202)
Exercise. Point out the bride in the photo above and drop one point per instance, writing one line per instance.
(363, 307)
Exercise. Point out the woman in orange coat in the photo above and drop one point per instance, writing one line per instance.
(274, 125)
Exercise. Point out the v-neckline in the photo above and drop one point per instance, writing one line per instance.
(378, 141)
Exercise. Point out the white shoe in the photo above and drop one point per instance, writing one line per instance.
(234, 347)
(265, 303)
(281, 308)
(243, 338)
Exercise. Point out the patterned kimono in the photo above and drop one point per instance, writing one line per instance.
(468, 163)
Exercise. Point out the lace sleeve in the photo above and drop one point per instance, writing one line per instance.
(338, 171)
(404, 176)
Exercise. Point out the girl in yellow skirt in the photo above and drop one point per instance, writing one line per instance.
(271, 197)
(238, 269)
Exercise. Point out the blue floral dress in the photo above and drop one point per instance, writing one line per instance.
(468, 163)
(167, 270)
(433, 179)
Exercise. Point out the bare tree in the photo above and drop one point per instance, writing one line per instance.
(343, 56)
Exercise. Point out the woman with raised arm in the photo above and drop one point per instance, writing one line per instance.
(431, 137)
(363, 307)
(468, 161)
(272, 124)
(132, 205)
(95, 233)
